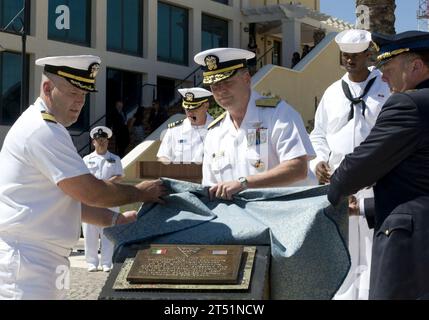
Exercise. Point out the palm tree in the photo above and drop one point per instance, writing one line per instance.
(381, 15)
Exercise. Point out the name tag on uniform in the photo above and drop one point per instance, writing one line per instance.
(181, 141)
(111, 160)
(218, 155)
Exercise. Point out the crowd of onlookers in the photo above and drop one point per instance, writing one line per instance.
(132, 127)
(130, 130)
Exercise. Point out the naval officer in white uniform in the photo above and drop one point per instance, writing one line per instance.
(183, 141)
(45, 187)
(258, 142)
(345, 116)
(103, 165)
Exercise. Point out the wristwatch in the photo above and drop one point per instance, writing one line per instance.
(243, 181)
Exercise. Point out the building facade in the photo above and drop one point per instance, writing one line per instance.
(146, 46)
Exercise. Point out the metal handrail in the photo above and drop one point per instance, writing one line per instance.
(85, 131)
(189, 75)
(263, 56)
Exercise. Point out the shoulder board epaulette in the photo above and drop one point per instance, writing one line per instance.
(49, 117)
(216, 121)
(267, 102)
(175, 124)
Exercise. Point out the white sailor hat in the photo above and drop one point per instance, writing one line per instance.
(222, 63)
(193, 98)
(80, 71)
(101, 131)
(353, 41)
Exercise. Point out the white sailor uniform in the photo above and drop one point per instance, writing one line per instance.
(334, 137)
(103, 167)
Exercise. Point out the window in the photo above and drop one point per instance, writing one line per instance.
(125, 26)
(214, 33)
(222, 1)
(8, 10)
(277, 53)
(124, 86)
(10, 87)
(73, 25)
(172, 34)
(83, 122)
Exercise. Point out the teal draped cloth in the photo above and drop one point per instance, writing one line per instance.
(308, 237)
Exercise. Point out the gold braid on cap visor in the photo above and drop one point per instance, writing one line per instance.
(218, 77)
(193, 105)
(82, 86)
(391, 54)
(211, 77)
(72, 76)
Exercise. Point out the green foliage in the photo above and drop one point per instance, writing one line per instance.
(310, 126)
(215, 110)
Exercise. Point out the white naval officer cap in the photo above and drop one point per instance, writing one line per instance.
(80, 71)
(353, 41)
(101, 131)
(222, 63)
(193, 98)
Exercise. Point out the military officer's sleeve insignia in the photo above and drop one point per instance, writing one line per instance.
(216, 121)
(175, 124)
(267, 102)
(211, 62)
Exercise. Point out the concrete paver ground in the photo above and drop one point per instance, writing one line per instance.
(84, 285)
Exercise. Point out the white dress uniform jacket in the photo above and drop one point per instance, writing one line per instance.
(39, 224)
(334, 137)
(103, 167)
(184, 143)
(267, 137)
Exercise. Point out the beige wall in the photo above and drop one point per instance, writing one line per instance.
(301, 88)
(312, 4)
(39, 46)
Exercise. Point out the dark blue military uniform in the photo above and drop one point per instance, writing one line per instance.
(395, 157)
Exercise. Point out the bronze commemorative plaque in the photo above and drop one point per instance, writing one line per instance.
(187, 264)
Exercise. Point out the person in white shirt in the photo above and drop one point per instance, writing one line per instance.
(46, 188)
(103, 165)
(344, 118)
(183, 141)
(258, 142)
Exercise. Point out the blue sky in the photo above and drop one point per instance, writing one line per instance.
(406, 12)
